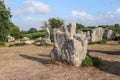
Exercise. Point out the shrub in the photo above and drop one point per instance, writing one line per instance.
(17, 44)
(2, 43)
(91, 61)
(117, 38)
(34, 35)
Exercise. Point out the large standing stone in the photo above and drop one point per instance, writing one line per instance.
(110, 34)
(10, 38)
(96, 34)
(46, 39)
(68, 46)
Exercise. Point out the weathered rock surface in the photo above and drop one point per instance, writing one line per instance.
(10, 38)
(46, 40)
(110, 34)
(69, 47)
(96, 34)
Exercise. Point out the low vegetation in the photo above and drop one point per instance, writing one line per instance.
(34, 35)
(91, 61)
(104, 41)
(2, 43)
(17, 44)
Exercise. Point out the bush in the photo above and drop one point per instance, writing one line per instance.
(34, 35)
(91, 61)
(2, 43)
(117, 38)
(17, 44)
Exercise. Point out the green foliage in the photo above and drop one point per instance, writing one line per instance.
(117, 38)
(2, 43)
(32, 30)
(52, 37)
(17, 44)
(55, 23)
(5, 24)
(79, 26)
(91, 61)
(34, 35)
(87, 61)
(15, 32)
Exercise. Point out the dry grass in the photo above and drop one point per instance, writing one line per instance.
(33, 63)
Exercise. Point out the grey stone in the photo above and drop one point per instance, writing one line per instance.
(10, 38)
(110, 34)
(69, 47)
(46, 40)
(96, 34)
(25, 39)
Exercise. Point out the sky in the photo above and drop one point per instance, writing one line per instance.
(32, 13)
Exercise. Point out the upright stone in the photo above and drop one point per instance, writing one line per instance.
(110, 34)
(46, 39)
(69, 47)
(97, 34)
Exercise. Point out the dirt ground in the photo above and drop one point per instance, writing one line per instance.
(33, 63)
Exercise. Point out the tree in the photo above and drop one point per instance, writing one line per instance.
(79, 26)
(32, 30)
(15, 32)
(5, 23)
(55, 23)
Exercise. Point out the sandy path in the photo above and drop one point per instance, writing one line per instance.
(33, 63)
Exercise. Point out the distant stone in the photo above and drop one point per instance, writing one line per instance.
(25, 39)
(46, 40)
(10, 38)
(110, 34)
(96, 34)
(29, 42)
(69, 47)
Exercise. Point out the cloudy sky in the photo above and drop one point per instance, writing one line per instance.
(32, 13)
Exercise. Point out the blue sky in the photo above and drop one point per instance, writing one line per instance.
(32, 13)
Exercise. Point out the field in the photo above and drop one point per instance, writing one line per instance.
(33, 63)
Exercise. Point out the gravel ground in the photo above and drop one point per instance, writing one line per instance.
(33, 63)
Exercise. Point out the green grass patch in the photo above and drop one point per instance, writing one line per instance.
(91, 61)
(104, 41)
(34, 35)
(2, 43)
(17, 44)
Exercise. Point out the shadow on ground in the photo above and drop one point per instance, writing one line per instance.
(41, 60)
(112, 67)
(106, 52)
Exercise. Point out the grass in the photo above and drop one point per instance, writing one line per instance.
(104, 41)
(17, 44)
(34, 35)
(2, 43)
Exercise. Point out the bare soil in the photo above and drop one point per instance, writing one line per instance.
(33, 63)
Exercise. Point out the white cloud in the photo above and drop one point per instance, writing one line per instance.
(32, 6)
(111, 17)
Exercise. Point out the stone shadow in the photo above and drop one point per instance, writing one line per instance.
(112, 67)
(41, 60)
(106, 52)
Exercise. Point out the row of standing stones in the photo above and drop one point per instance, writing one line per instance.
(71, 47)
